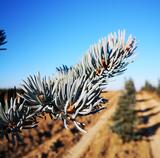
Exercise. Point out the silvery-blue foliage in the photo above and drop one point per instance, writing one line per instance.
(38, 91)
(109, 57)
(75, 91)
(78, 96)
(15, 116)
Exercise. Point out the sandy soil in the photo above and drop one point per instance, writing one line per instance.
(68, 137)
(99, 142)
(152, 124)
(81, 147)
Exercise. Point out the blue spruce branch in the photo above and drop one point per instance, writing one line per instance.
(72, 91)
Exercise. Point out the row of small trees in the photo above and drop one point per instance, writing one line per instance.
(151, 88)
(125, 119)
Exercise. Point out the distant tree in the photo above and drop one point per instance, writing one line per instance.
(130, 89)
(148, 87)
(125, 119)
(2, 39)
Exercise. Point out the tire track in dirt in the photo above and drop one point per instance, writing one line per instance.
(80, 148)
(153, 124)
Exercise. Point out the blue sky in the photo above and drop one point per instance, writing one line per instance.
(43, 35)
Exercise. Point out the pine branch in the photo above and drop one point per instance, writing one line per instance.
(14, 117)
(2, 39)
(73, 91)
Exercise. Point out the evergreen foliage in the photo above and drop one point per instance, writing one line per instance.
(158, 88)
(125, 119)
(2, 39)
(72, 92)
(148, 87)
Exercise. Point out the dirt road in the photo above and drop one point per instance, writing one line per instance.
(97, 120)
(78, 150)
(100, 142)
(150, 109)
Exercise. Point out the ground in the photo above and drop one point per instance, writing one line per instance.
(52, 140)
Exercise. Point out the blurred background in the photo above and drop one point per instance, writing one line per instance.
(42, 35)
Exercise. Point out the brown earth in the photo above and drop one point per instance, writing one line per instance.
(70, 138)
(52, 140)
(152, 124)
(100, 142)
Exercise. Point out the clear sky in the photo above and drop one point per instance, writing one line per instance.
(44, 34)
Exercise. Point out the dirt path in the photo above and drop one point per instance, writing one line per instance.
(149, 108)
(45, 147)
(98, 142)
(153, 124)
(80, 148)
